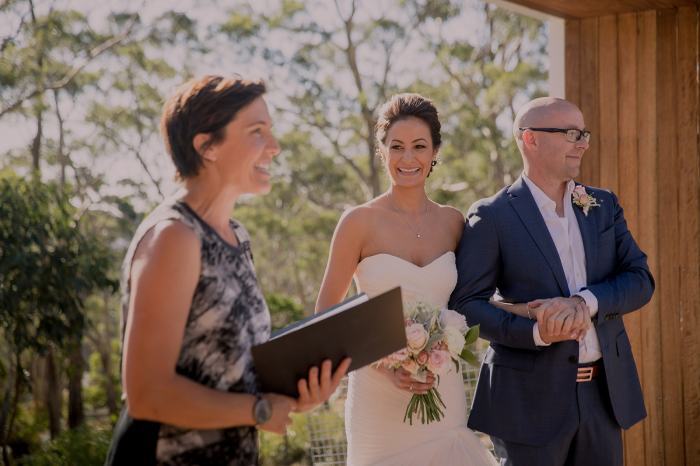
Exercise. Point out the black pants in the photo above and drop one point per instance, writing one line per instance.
(591, 436)
(134, 442)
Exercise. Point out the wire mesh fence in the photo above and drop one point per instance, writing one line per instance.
(328, 446)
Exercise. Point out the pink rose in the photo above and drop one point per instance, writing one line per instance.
(417, 337)
(399, 356)
(411, 366)
(422, 358)
(584, 200)
(581, 196)
(439, 362)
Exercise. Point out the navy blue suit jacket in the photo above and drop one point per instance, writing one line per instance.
(525, 392)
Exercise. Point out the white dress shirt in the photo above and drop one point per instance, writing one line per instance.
(566, 235)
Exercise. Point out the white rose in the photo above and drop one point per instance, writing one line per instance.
(454, 341)
(450, 318)
(417, 337)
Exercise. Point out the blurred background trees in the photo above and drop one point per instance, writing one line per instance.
(81, 88)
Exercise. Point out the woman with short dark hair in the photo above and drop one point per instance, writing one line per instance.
(191, 305)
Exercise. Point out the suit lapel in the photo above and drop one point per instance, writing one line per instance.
(588, 226)
(524, 205)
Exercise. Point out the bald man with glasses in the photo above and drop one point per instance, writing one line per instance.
(559, 381)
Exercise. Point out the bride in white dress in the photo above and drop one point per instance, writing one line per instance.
(402, 238)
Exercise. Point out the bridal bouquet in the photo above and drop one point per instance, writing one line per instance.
(437, 340)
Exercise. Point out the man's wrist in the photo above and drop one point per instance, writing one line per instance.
(539, 341)
(590, 299)
(580, 299)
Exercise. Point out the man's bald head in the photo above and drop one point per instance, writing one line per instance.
(549, 155)
(541, 112)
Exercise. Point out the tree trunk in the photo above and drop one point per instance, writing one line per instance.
(6, 432)
(111, 393)
(5, 411)
(76, 368)
(53, 394)
(37, 384)
(36, 142)
(366, 111)
(39, 104)
(61, 156)
(100, 338)
(105, 348)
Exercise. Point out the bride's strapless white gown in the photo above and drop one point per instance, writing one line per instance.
(374, 408)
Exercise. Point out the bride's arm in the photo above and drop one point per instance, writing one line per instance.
(344, 256)
(520, 309)
(345, 251)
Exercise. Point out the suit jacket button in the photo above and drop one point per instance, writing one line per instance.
(573, 359)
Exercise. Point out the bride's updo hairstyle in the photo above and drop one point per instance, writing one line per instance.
(402, 106)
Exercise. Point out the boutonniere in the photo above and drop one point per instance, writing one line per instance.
(583, 200)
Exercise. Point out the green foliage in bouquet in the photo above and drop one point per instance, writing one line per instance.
(467, 355)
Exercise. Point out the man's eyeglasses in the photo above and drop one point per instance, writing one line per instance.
(572, 135)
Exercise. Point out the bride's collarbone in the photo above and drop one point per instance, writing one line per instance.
(393, 237)
(411, 258)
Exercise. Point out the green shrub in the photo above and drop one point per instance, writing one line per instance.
(84, 446)
(288, 450)
(283, 310)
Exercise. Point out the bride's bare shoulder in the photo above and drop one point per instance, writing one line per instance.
(451, 214)
(363, 216)
(453, 218)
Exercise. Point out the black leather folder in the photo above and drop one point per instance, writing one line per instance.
(364, 329)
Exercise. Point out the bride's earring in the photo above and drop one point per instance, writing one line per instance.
(432, 165)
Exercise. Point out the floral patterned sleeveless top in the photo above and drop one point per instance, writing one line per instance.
(228, 316)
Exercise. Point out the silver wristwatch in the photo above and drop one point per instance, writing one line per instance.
(262, 410)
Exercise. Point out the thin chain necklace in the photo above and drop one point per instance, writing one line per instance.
(401, 213)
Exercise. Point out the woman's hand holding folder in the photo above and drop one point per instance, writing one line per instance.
(316, 390)
(312, 392)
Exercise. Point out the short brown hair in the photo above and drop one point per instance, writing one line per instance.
(402, 106)
(203, 105)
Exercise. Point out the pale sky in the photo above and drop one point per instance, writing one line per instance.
(17, 133)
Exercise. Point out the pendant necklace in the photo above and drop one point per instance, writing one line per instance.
(401, 213)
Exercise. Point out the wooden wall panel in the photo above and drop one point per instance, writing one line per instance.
(589, 103)
(648, 232)
(607, 98)
(572, 58)
(689, 197)
(628, 189)
(635, 77)
(669, 216)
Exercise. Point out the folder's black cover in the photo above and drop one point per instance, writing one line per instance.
(366, 332)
